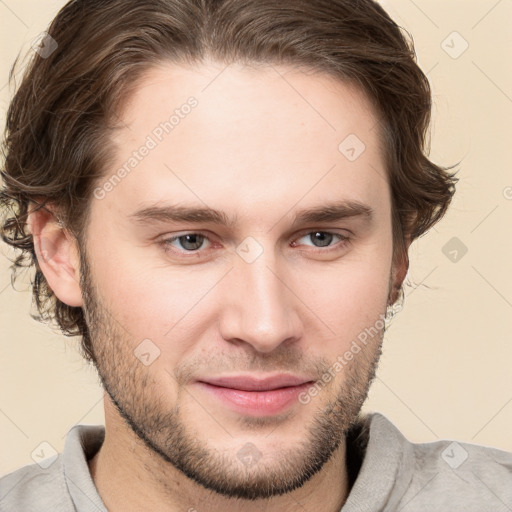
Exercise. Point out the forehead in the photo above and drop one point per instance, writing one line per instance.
(276, 135)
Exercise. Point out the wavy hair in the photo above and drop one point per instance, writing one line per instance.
(56, 145)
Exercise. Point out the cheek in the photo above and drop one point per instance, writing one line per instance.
(349, 297)
(127, 288)
(154, 301)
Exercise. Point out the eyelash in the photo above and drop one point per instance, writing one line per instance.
(166, 243)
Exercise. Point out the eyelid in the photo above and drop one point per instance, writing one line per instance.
(166, 242)
(343, 240)
(332, 231)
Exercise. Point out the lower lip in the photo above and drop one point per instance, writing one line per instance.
(257, 403)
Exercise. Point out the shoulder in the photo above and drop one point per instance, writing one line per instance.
(36, 489)
(471, 473)
(448, 473)
(60, 484)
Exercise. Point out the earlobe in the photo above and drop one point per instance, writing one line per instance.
(57, 256)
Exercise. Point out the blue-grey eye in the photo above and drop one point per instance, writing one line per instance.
(321, 238)
(189, 242)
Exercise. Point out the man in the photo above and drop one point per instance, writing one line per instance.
(219, 196)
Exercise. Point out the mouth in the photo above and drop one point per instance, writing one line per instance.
(256, 396)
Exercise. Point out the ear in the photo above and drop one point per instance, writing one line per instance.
(398, 273)
(57, 254)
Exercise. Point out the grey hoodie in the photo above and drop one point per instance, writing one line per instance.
(387, 473)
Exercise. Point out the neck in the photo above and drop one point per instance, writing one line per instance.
(130, 477)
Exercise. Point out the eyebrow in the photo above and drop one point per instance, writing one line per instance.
(329, 212)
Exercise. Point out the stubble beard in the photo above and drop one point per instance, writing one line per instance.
(166, 433)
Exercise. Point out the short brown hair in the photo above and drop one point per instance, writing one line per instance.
(55, 148)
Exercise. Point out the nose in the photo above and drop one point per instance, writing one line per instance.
(260, 308)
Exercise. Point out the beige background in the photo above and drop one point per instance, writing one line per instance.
(445, 371)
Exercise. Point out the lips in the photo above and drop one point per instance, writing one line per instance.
(256, 396)
(246, 383)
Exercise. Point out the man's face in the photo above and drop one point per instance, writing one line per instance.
(208, 344)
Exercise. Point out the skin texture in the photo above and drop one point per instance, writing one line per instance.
(260, 146)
